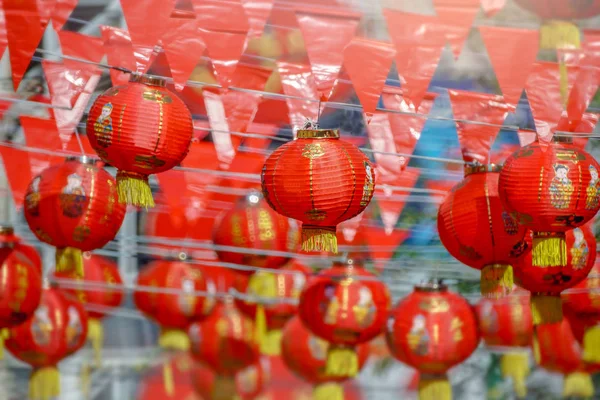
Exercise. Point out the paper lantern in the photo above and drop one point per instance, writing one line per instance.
(74, 207)
(306, 356)
(10, 242)
(102, 271)
(319, 180)
(178, 386)
(57, 329)
(249, 383)
(283, 288)
(432, 330)
(253, 225)
(546, 284)
(505, 323)
(476, 229)
(346, 306)
(561, 9)
(550, 188)
(140, 128)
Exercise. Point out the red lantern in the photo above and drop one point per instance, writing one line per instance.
(507, 322)
(346, 306)
(170, 380)
(10, 242)
(546, 284)
(306, 356)
(561, 9)
(432, 330)
(477, 231)
(57, 330)
(141, 128)
(284, 288)
(99, 270)
(320, 180)
(74, 206)
(252, 224)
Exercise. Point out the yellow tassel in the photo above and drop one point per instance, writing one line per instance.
(168, 381)
(260, 324)
(578, 384)
(342, 362)
(516, 367)
(434, 388)
(173, 339)
(44, 384)
(549, 251)
(559, 35)
(4, 334)
(224, 388)
(271, 345)
(69, 259)
(535, 346)
(546, 309)
(591, 345)
(496, 280)
(134, 189)
(328, 391)
(85, 380)
(96, 338)
(319, 238)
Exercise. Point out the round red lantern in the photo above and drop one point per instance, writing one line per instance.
(432, 330)
(102, 271)
(73, 206)
(476, 229)
(345, 305)
(505, 323)
(253, 225)
(170, 380)
(10, 242)
(57, 329)
(140, 128)
(561, 9)
(306, 356)
(319, 180)
(283, 288)
(546, 284)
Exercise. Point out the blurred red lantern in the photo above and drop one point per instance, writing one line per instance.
(57, 330)
(141, 128)
(99, 270)
(306, 356)
(73, 206)
(507, 322)
(10, 242)
(253, 225)
(319, 180)
(546, 284)
(174, 311)
(178, 384)
(283, 288)
(432, 330)
(346, 306)
(561, 9)
(477, 231)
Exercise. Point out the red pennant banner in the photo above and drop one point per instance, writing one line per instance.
(500, 155)
(253, 77)
(491, 7)
(201, 155)
(297, 81)
(383, 245)
(61, 12)
(219, 15)
(3, 33)
(585, 126)
(119, 51)
(387, 196)
(225, 49)
(326, 56)
(381, 139)
(18, 172)
(585, 85)
(456, 18)
(80, 46)
(183, 48)
(350, 227)
(260, 129)
(512, 53)
(240, 109)
(440, 187)
(65, 84)
(258, 12)
(526, 137)
(41, 134)
(172, 184)
(368, 62)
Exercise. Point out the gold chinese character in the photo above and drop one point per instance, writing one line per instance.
(456, 329)
(313, 150)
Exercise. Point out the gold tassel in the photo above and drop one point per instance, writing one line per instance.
(173, 339)
(434, 388)
(591, 345)
(224, 388)
(96, 338)
(328, 391)
(260, 324)
(516, 367)
(134, 189)
(578, 384)
(496, 280)
(271, 345)
(4, 334)
(549, 251)
(319, 238)
(44, 384)
(168, 381)
(342, 362)
(546, 309)
(69, 259)
(559, 35)
(85, 380)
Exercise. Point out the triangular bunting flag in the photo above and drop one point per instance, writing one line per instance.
(526, 137)
(350, 227)
(491, 7)
(119, 52)
(80, 46)
(18, 172)
(381, 139)
(258, 12)
(222, 16)
(61, 12)
(64, 84)
(42, 134)
(3, 33)
(183, 48)
(260, 129)
(383, 245)
(387, 194)
(224, 143)
(299, 108)
(225, 49)
(456, 18)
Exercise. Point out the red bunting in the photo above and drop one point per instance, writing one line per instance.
(201, 155)
(381, 139)
(258, 12)
(326, 56)
(80, 46)
(64, 83)
(440, 187)
(41, 134)
(60, 12)
(512, 53)
(419, 42)
(456, 17)
(526, 137)
(500, 155)
(350, 227)
(183, 48)
(172, 185)
(119, 51)
(219, 15)
(585, 86)
(391, 196)
(224, 143)
(298, 83)
(3, 33)
(491, 7)
(240, 109)
(260, 129)
(225, 49)
(368, 62)
(18, 172)
(382, 245)
(585, 126)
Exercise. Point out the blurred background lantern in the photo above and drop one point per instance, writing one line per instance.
(10, 242)
(74, 207)
(558, 9)
(141, 128)
(297, 182)
(477, 231)
(432, 330)
(152, 385)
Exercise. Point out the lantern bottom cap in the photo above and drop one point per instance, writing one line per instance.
(578, 384)
(328, 391)
(271, 344)
(319, 238)
(549, 250)
(44, 384)
(4, 334)
(546, 309)
(342, 362)
(96, 338)
(68, 260)
(516, 367)
(134, 189)
(435, 388)
(591, 345)
(224, 388)
(497, 280)
(174, 339)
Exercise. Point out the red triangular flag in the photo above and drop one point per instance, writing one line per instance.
(253, 77)
(387, 195)
(491, 7)
(260, 129)
(18, 172)
(119, 52)
(3, 33)
(368, 62)
(80, 46)
(258, 12)
(383, 245)
(440, 188)
(42, 134)
(61, 12)
(526, 137)
(172, 185)
(500, 155)
(326, 56)
(225, 144)
(381, 139)
(584, 89)
(221, 16)
(456, 18)
(299, 107)
(225, 49)
(183, 48)
(512, 53)
(64, 84)
(201, 155)
(350, 227)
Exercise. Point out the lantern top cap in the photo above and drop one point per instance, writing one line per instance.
(557, 138)
(431, 287)
(82, 159)
(149, 80)
(479, 168)
(318, 134)
(6, 230)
